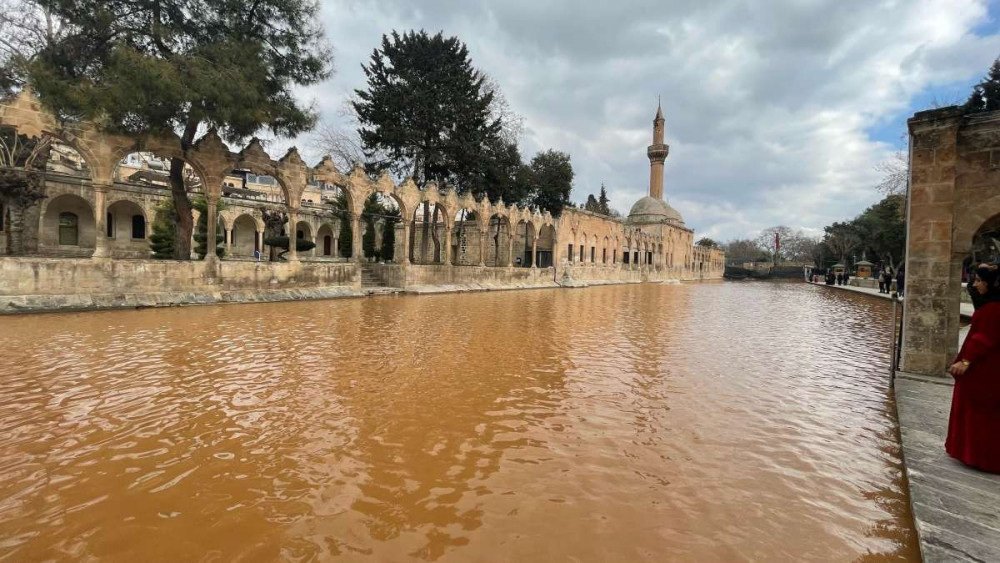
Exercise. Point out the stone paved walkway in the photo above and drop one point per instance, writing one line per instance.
(956, 509)
(966, 308)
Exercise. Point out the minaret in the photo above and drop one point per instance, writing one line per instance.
(657, 153)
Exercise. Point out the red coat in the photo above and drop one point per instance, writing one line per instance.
(974, 426)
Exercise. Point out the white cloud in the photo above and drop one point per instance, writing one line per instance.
(768, 108)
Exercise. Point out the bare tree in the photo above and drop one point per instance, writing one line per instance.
(766, 240)
(842, 242)
(25, 28)
(511, 123)
(342, 145)
(895, 174)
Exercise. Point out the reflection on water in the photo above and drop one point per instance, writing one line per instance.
(697, 422)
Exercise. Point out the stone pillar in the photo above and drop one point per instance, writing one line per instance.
(356, 254)
(534, 252)
(212, 224)
(405, 247)
(482, 245)
(293, 220)
(933, 267)
(101, 245)
(447, 246)
(229, 242)
(312, 239)
(510, 248)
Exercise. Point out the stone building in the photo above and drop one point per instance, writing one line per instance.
(953, 219)
(90, 235)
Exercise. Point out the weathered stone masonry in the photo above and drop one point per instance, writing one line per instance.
(499, 244)
(954, 192)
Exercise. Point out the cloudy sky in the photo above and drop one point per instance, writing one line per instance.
(776, 111)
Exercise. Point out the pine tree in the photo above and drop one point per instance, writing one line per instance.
(161, 240)
(551, 181)
(426, 109)
(603, 203)
(592, 204)
(173, 65)
(986, 95)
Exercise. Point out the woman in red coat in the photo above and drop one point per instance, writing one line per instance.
(974, 426)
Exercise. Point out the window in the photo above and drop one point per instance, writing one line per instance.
(581, 254)
(69, 233)
(300, 235)
(614, 256)
(110, 224)
(636, 257)
(327, 245)
(138, 227)
(604, 256)
(625, 256)
(570, 253)
(593, 254)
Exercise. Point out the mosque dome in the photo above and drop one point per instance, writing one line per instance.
(652, 210)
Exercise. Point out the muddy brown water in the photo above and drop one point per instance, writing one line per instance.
(710, 422)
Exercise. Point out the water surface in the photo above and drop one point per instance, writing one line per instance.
(711, 422)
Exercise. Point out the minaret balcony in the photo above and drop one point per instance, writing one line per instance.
(658, 153)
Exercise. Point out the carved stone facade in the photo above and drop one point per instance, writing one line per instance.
(954, 195)
(471, 239)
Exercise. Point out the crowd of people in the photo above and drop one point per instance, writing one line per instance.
(887, 282)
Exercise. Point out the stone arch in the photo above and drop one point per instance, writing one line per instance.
(246, 234)
(523, 242)
(498, 233)
(67, 226)
(127, 229)
(427, 232)
(546, 245)
(466, 235)
(381, 225)
(64, 159)
(326, 240)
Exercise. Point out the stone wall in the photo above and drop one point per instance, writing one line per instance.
(954, 190)
(70, 276)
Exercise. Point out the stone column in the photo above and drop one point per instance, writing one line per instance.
(534, 252)
(482, 245)
(405, 247)
(933, 267)
(447, 246)
(101, 246)
(312, 239)
(212, 224)
(356, 254)
(510, 248)
(293, 220)
(229, 242)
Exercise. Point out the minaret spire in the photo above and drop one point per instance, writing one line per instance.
(657, 153)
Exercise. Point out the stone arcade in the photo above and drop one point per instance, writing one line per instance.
(87, 241)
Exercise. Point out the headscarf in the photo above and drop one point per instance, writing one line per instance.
(990, 276)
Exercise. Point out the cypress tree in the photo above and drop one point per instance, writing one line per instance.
(603, 203)
(161, 240)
